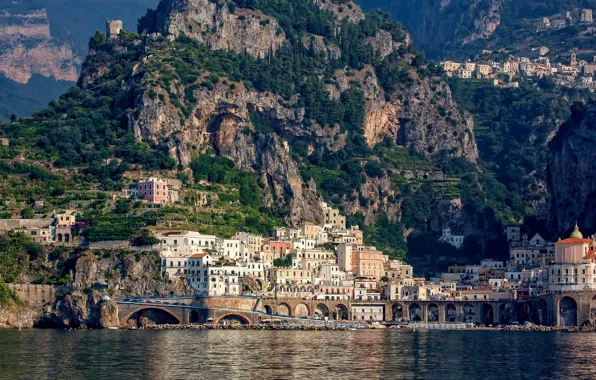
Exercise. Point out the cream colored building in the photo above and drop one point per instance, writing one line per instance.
(290, 276)
(332, 217)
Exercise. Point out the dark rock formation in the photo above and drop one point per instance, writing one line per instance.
(572, 171)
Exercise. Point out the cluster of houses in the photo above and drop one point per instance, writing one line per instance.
(332, 262)
(574, 74)
(60, 228)
(560, 21)
(533, 63)
(535, 267)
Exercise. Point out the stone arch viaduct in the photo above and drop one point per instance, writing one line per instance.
(251, 310)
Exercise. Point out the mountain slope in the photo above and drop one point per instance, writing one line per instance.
(461, 28)
(49, 38)
(325, 103)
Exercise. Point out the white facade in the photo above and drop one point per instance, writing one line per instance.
(454, 240)
(304, 243)
(223, 280)
(368, 312)
(185, 243)
(228, 248)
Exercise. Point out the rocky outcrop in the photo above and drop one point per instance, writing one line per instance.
(126, 275)
(319, 46)
(123, 275)
(383, 43)
(27, 48)
(378, 196)
(342, 10)
(216, 25)
(431, 121)
(221, 118)
(423, 116)
(449, 213)
(572, 172)
(381, 118)
(487, 17)
(79, 310)
(18, 316)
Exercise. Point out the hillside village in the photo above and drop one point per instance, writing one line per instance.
(326, 261)
(505, 68)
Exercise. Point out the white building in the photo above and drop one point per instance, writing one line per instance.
(215, 280)
(454, 240)
(230, 248)
(368, 312)
(185, 243)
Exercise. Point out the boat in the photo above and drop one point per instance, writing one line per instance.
(112, 328)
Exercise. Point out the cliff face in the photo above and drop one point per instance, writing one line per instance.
(220, 119)
(18, 316)
(572, 172)
(213, 24)
(422, 116)
(27, 48)
(126, 275)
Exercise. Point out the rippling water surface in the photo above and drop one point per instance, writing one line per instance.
(366, 354)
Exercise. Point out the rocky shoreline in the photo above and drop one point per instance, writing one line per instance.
(251, 327)
(538, 328)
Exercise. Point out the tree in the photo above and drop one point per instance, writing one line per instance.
(122, 206)
(144, 239)
(27, 213)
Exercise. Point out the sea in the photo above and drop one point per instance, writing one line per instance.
(250, 354)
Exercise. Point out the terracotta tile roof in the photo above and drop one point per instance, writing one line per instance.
(574, 241)
(590, 255)
(198, 255)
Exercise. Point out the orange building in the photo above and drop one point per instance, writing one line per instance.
(280, 249)
(368, 263)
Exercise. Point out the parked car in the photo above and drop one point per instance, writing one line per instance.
(148, 301)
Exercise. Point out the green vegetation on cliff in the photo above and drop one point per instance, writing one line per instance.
(7, 296)
(85, 141)
(513, 127)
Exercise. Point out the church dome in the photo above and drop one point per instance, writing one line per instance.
(576, 233)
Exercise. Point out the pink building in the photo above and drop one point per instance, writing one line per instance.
(573, 249)
(368, 263)
(153, 190)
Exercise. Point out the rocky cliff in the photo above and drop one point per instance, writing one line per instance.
(221, 27)
(572, 171)
(19, 316)
(126, 274)
(97, 275)
(221, 115)
(27, 48)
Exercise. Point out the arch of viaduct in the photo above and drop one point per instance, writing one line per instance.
(560, 309)
(185, 314)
